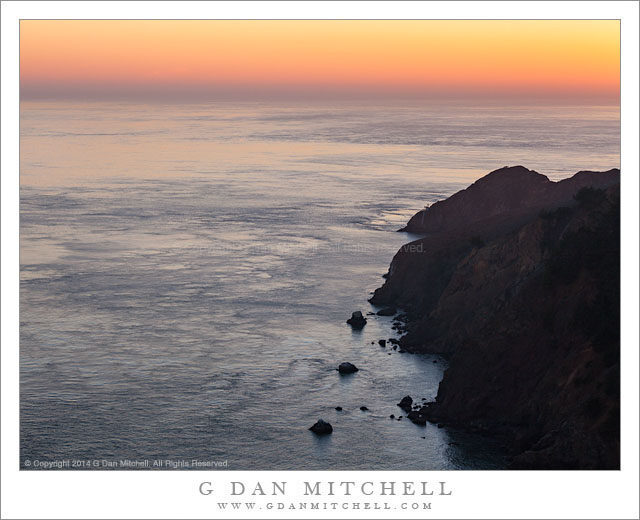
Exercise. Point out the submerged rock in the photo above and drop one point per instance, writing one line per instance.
(321, 427)
(347, 368)
(357, 320)
(405, 403)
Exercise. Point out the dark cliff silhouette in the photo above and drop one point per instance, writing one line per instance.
(517, 283)
(502, 200)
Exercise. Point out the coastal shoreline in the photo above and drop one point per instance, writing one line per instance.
(514, 282)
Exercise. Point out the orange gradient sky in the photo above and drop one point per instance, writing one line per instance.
(104, 58)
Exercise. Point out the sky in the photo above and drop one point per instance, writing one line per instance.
(535, 60)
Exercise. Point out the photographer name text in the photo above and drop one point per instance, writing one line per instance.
(329, 488)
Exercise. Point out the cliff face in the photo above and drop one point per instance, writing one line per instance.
(501, 202)
(529, 318)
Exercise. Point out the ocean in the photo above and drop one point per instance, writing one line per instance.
(186, 272)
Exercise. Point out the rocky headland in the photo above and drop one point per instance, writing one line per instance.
(516, 281)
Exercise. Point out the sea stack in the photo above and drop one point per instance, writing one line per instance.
(405, 403)
(357, 320)
(347, 368)
(321, 427)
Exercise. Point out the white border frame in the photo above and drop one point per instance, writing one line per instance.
(174, 494)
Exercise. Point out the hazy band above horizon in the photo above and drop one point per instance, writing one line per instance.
(514, 60)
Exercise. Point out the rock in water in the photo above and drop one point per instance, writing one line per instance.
(347, 368)
(321, 427)
(418, 417)
(382, 342)
(339, 408)
(405, 403)
(364, 408)
(357, 320)
(387, 311)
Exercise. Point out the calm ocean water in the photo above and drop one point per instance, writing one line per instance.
(186, 273)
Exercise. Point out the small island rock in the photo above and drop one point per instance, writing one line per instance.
(405, 403)
(347, 368)
(357, 320)
(321, 427)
